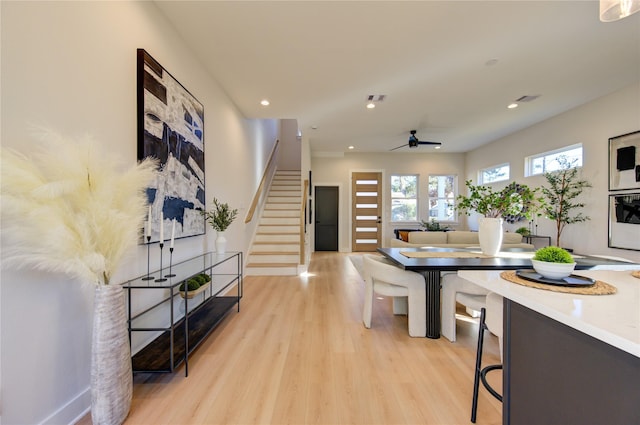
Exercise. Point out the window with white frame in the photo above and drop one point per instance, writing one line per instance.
(442, 196)
(404, 197)
(549, 161)
(494, 174)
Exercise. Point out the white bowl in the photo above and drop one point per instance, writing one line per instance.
(553, 270)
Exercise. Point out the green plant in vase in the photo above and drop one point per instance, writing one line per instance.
(220, 218)
(553, 262)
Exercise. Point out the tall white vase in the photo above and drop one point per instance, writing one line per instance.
(111, 373)
(490, 235)
(221, 243)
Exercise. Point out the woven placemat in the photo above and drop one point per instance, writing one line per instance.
(443, 254)
(636, 273)
(599, 288)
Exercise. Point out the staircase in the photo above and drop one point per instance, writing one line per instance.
(276, 246)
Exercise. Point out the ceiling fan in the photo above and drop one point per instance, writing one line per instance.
(414, 142)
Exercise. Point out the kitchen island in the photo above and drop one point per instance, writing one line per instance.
(569, 359)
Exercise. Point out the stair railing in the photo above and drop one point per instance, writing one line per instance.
(303, 218)
(261, 188)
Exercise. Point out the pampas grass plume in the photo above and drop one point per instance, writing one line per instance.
(71, 207)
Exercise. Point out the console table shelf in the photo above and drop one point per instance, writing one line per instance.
(169, 349)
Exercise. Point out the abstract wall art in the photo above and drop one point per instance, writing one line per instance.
(624, 221)
(171, 129)
(624, 162)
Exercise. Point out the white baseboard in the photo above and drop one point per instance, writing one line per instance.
(71, 412)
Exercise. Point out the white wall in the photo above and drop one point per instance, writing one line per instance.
(592, 125)
(337, 170)
(71, 66)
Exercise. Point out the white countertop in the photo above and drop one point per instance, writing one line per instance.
(614, 319)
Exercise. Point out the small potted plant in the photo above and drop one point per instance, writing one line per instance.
(220, 218)
(553, 262)
(434, 226)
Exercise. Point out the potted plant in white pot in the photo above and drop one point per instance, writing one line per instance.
(72, 207)
(220, 218)
(515, 200)
(553, 262)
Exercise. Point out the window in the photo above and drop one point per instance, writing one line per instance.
(404, 198)
(548, 161)
(494, 174)
(442, 196)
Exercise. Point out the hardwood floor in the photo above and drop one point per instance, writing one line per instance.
(298, 353)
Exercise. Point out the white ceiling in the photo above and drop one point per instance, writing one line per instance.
(317, 61)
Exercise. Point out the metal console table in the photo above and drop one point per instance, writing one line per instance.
(190, 320)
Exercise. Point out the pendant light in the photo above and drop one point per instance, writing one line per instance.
(613, 10)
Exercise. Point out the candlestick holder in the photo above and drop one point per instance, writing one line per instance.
(170, 263)
(161, 279)
(147, 277)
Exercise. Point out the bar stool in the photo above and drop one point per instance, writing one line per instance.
(491, 320)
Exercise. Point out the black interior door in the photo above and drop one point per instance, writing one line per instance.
(326, 213)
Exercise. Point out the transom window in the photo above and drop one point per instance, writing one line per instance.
(494, 174)
(549, 161)
(404, 197)
(442, 195)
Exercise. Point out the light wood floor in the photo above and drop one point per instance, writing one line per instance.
(298, 353)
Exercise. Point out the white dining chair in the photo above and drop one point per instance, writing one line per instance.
(458, 290)
(407, 289)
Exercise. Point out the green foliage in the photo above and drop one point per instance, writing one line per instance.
(192, 285)
(515, 200)
(564, 188)
(553, 254)
(206, 277)
(524, 231)
(434, 226)
(221, 216)
(200, 279)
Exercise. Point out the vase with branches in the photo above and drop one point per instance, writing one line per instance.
(74, 208)
(514, 202)
(565, 186)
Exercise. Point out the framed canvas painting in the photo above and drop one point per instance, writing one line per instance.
(624, 162)
(171, 129)
(624, 221)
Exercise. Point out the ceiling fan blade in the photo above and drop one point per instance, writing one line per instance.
(429, 143)
(406, 144)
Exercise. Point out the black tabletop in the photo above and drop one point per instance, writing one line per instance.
(518, 260)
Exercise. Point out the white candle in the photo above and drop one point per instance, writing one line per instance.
(148, 233)
(173, 232)
(161, 228)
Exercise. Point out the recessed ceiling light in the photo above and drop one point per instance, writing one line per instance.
(512, 105)
(371, 105)
(438, 147)
(264, 102)
(351, 147)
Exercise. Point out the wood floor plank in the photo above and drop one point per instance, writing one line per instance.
(298, 353)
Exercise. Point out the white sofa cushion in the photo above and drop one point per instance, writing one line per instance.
(428, 237)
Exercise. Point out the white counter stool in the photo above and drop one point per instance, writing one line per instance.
(407, 289)
(458, 290)
(491, 320)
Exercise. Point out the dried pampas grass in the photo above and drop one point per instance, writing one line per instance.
(71, 207)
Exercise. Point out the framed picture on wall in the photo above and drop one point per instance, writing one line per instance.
(624, 221)
(624, 162)
(171, 129)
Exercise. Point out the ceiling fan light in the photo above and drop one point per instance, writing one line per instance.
(613, 10)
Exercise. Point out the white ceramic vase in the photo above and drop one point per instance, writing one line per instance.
(556, 271)
(221, 243)
(111, 373)
(490, 234)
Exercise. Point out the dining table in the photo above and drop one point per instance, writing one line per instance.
(432, 262)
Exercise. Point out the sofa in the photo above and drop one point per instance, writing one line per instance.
(454, 239)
